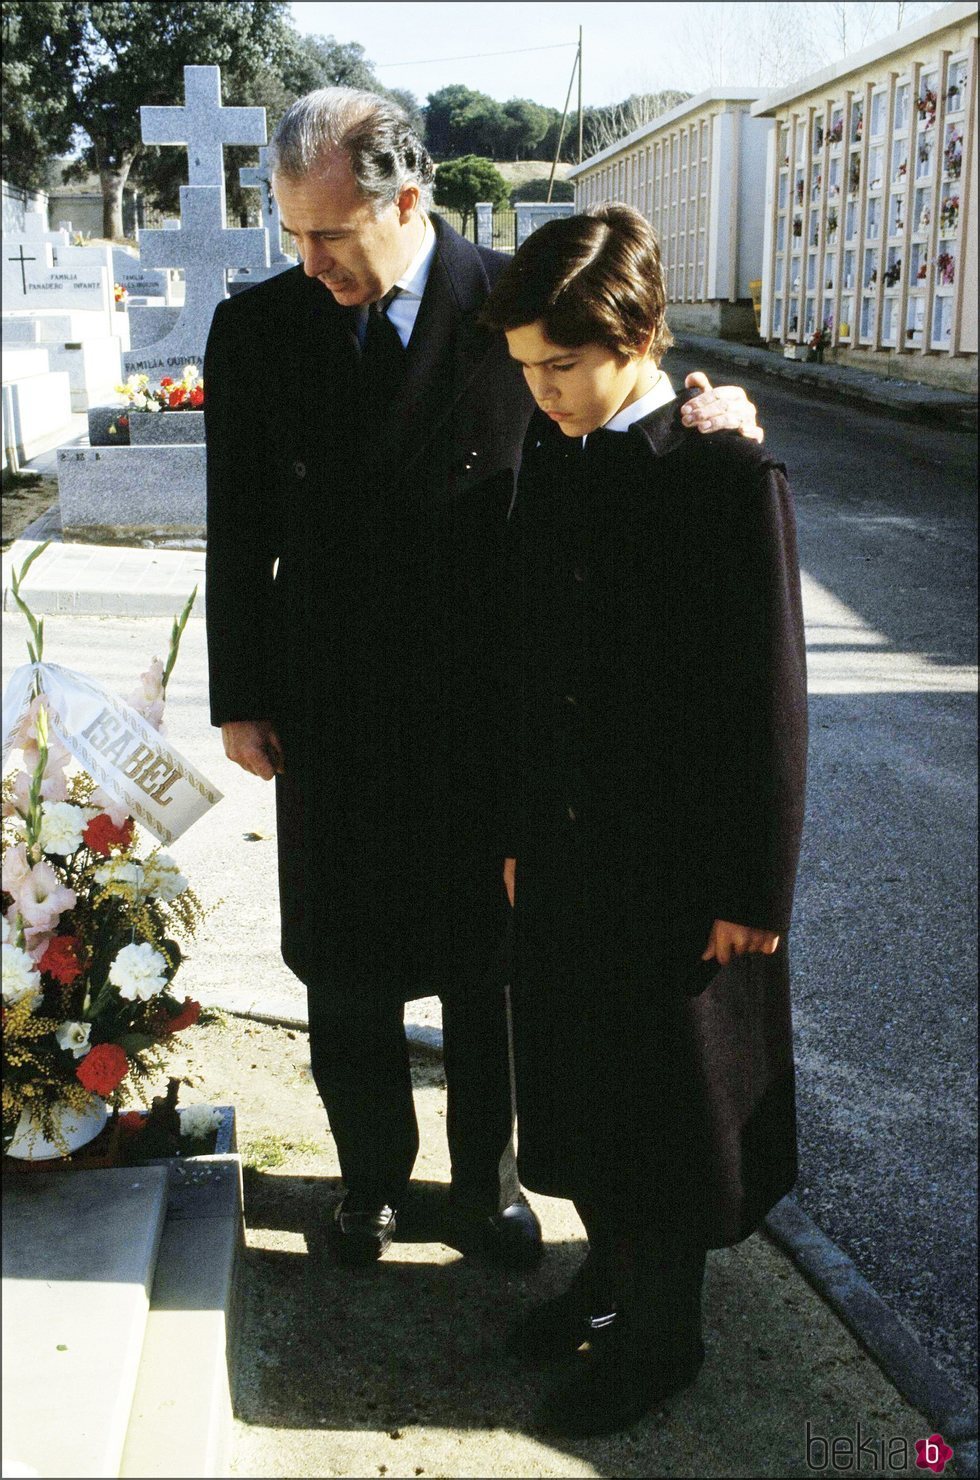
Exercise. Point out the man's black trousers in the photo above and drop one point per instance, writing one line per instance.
(360, 1061)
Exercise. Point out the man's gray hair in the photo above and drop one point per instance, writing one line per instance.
(384, 151)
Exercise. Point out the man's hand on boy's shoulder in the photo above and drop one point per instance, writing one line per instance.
(721, 408)
(728, 940)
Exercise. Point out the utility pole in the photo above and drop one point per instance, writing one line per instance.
(576, 66)
(580, 94)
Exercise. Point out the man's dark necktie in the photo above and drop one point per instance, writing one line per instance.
(382, 352)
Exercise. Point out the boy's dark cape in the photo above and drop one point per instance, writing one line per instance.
(679, 743)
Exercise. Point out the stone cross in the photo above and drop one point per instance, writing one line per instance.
(205, 248)
(204, 126)
(259, 177)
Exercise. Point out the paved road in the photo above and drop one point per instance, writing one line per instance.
(885, 947)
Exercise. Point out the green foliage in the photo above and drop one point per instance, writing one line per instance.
(41, 43)
(460, 183)
(538, 190)
(460, 121)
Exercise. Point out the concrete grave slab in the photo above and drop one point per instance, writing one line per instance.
(19, 330)
(132, 491)
(94, 368)
(79, 1251)
(20, 362)
(37, 413)
(58, 326)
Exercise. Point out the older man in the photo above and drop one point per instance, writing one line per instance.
(363, 434)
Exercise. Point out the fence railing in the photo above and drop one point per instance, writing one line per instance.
(504, 227)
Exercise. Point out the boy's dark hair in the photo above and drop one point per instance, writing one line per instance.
(594, 278)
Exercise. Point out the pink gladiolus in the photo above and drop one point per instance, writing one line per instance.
(148, 700)
(16, 868)
(42, 898)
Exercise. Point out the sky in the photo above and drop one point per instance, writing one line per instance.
(639, 46)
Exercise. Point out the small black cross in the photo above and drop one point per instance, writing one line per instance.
(22, 259)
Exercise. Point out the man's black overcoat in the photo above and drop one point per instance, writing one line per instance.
(370, 644)
(659, 777)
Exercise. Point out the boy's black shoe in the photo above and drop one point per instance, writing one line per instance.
(361, 1229)
(621, 1379)
(557, 1327)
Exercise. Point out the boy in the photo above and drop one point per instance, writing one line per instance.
(656, 764)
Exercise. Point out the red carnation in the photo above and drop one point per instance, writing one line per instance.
(60, 960)
(102, 1068)
(166, 380)
(131, 1122)
(102, 834)
(197, 396)
(176, 396)
(186, 1017)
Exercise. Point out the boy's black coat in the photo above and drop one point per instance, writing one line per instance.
(370, 648)
(661, 710)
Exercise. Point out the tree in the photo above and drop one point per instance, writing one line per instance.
(460, 183)
(41, 43)
(130, 53)
(605, 126)
(537, 189)
(526, 125)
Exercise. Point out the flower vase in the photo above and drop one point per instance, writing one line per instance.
(77, 1126)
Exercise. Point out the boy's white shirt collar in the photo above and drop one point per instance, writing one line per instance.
(658, 395)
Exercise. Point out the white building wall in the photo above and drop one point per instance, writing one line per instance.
(871, 200)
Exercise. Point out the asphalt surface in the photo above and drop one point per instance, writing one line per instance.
(885, 942)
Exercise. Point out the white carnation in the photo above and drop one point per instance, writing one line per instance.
(20, 977)
(74, 1036)
(138, 971)
(120, 871)
(198, 1121)
(164, 879)
(62, 826)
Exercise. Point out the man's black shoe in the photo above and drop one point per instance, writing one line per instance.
(361, 1230)
(509, 1240)
(621, 1380)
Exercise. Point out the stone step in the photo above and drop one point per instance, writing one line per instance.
(79, 1254)
(181, 1419)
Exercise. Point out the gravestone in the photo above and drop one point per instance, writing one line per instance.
(204, 126)
(143, 491)
(484, 223)
(532, 214)
(205, 248)
(31, 280)
(36, 230)
(259, 177)
(43, 278)
(201, 245)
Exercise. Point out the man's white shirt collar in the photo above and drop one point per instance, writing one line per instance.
(416, 275)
